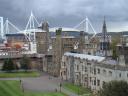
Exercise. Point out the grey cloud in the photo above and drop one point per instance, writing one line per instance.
(66, 12)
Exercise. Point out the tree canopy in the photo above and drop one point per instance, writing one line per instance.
(9, 65)
(114, 88)
(25, 63)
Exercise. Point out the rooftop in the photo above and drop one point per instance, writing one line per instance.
(85, 56)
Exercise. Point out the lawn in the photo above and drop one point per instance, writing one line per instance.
(76, 89)
(10, 88)
(13, 88)
(19, 74)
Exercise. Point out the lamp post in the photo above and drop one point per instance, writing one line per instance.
(21, 84)
(79, 84)
(60, 86)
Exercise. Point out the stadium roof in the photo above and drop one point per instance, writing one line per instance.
(64, 29)
(32, 30)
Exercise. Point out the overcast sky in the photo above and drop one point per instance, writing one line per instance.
(68, 13)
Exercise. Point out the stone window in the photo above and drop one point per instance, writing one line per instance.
(94, 82)
(86, 69)
(90, 79)
(98, 82)
(86, 79)
(120, 75)
(94, 71)
(77, 67)
(64, 72)
(110, 73)
(104, 72)
(82, 68)
(77, 77)
(104, 82)
(98, 71)
(64, 64)
(88, 63)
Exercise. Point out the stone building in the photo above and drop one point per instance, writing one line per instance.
(66, 41)
(91, 71)
(43, 39)
(36, 59)
(61, 44)
(91, 46)
(77, 68)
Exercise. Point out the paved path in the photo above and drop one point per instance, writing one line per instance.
(43, 83)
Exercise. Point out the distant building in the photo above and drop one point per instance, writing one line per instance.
(17, 40)
(105, 41)
(91, 46)
(122, 51)
(43, 39)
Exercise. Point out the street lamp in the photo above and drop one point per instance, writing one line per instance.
(60, 86)
(79, 84)
(21, 84)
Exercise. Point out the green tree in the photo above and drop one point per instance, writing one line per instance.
(114, 43)
(25, 63)
(9, 65)
(5, 65)
(114, 88)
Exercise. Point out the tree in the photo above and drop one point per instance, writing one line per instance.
(9, 65)
(115, 41)
(114, 88)
(25, 63)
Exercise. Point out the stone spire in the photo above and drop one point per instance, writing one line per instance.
(105, 40)
(104, 30)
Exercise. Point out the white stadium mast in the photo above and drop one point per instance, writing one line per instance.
(31, 22)
(31, 26)
(1, 27)
(7, 26)
(30, 30)
(84, 26)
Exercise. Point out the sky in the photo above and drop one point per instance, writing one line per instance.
(68, 13)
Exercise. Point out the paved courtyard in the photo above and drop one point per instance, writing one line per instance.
(43, 83)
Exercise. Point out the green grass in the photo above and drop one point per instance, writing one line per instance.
(10, 88)
(13, 88)
(19, 74)
(76, 89)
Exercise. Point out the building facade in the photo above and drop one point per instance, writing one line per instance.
(91, 71)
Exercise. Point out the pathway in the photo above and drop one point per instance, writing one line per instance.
(44, 83)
